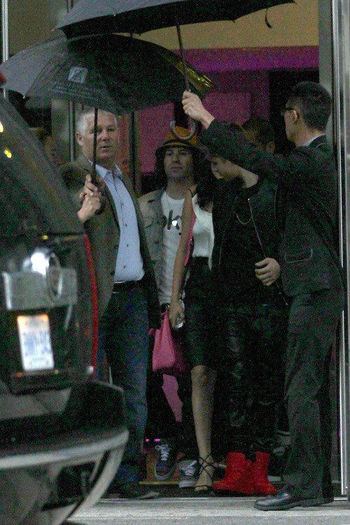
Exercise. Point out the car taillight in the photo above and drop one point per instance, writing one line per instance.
(94, 303)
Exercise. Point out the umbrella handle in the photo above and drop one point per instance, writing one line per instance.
(193, 129)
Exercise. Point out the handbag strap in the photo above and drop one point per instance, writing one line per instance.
(189, 247)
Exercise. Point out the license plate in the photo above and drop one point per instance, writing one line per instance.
(35, 342)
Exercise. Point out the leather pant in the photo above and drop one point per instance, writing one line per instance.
(250, 375)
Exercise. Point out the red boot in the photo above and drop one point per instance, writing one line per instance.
(237, 477)
(260, 482)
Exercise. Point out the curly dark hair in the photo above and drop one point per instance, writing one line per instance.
(160, 175)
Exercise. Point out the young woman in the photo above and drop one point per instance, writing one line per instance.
(199, 314)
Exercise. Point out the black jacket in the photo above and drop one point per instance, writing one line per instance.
(266, 237)
(306, 205)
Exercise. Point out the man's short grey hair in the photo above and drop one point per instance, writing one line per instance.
(84, 115)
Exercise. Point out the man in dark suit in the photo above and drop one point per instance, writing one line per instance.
(311, 277)
(127, 292)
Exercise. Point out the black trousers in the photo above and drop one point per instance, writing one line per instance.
(250, 376)
(161, 422)
(313, 322)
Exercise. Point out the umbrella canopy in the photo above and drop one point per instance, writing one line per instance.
(139, 16)
(116, 73)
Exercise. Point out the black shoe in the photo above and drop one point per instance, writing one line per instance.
(133, 491)
(328, 495)
(328, 500)
(285, 499)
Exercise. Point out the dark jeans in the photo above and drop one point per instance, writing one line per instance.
(250, 376)
(312, 328)
(124, 337)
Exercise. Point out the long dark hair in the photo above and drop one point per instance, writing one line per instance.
(160, 175)
(206, 185)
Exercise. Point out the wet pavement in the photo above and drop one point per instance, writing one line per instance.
(208, 511)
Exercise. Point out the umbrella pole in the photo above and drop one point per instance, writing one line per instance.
(191, 123)
(182, 53)
(93, 174)
(132, 145)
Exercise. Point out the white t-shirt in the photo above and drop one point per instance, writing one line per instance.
(203, 232)
(172, 212)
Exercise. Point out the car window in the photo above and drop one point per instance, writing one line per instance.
(20, 215)
(32, 194)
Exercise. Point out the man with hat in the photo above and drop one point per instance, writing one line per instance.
(177, 166)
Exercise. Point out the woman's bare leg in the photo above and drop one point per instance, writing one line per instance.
(203, 383)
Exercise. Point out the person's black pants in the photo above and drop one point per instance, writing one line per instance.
(313, 321)
(250, 376)
(161, 422)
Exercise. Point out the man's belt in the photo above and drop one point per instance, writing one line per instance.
(121, 286)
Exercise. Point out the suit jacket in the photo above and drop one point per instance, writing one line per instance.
(104, 233)
(306, 205)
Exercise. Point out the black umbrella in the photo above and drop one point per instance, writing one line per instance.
(112, 72)
(139, 16)
(116, 73)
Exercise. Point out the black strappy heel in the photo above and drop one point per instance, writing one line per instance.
(204, 466)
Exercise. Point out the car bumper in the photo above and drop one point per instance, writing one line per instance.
(47, 480)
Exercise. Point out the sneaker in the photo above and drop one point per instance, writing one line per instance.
(166, 460)
(189, 473)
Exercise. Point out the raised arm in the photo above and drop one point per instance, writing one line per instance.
(297, 171)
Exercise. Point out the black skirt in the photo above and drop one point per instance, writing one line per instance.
(200, 315)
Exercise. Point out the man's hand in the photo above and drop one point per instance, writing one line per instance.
(90, 189)
(194, 108)
(268, 271)
(90, 206)
(92, 198)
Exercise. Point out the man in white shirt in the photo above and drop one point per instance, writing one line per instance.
(177, 165)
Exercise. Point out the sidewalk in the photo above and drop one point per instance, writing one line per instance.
(208, 511)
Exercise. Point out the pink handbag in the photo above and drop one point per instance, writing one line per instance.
(167, 356)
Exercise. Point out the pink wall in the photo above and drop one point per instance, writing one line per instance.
(241, 77)
(238, 95)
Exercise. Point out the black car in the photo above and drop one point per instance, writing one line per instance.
(62, 434)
